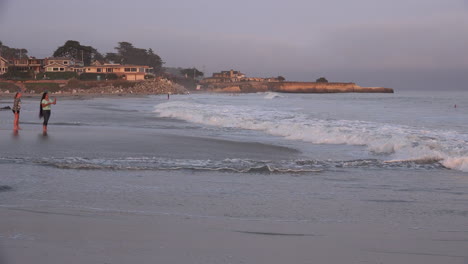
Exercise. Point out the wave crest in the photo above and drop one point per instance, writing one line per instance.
(398, 142)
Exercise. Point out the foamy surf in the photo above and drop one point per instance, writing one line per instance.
(227, 165)
(272, 95)
(393, 141)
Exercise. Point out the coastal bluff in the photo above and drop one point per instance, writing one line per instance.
(291, 87)
(317, 87)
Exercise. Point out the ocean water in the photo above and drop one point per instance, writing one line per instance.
(407, 131)
(387, 170)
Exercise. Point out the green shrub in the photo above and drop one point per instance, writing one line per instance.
(56, 75)
(75, 83)
(91, 76)
(112, 76)
(13, 74)
(42, 87)
(82, 84)
(322, 80)
(6, 86)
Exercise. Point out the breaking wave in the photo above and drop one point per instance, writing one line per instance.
(226, 165)
(395, 142)
(272, 95)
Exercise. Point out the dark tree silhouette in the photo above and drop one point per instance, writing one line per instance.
(191, 73)
(128, 54)
(12, 53)
(74, 50)
(322, 80)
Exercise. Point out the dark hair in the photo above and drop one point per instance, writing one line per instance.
(40, 105)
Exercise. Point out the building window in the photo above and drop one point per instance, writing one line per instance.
(127, 69)
(134, 69)
(109, 70)
(65, 62)
(55, 69)
(99, 70)
(62, 69)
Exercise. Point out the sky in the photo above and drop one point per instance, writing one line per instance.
(401, 44)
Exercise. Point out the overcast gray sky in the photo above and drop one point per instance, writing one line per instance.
(401, 44)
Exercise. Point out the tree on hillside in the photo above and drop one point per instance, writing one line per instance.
(128, 54)
(322, 80)
(191, 73)
(281, 78)
(74, 50)
(12, 53)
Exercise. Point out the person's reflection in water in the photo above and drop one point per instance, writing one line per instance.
(15, 134)
(43, 136)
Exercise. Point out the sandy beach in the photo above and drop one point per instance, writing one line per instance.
(114, 183)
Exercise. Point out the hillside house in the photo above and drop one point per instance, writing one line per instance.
(128, 72)
(225, 76)
(28, 64)
(62, 64)
(3, 65)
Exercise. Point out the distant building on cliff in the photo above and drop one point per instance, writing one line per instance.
(225, 76)
(3, 65)
(128, 72)
(28, 64)
(235, 76)
(62, 64)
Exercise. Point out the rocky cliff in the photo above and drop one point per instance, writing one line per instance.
(314, 87)
(293, 87)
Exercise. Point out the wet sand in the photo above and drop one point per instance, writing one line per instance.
(52, 215)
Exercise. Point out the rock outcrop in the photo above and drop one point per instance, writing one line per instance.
(162, 86)
(293, 87)
(314, 87)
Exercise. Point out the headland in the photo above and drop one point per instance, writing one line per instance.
(235, 81)
(292, 87)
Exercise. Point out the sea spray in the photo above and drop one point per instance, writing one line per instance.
(395, 142)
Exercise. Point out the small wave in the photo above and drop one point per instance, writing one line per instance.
(271, 95)
(68, 124)
(57, 123)
(395, 142)
(457, 163)
(226, 165)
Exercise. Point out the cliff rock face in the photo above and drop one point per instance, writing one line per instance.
(313, 87)
(294, 87)
(240, 87)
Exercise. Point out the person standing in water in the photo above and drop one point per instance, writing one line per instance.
(44, 109)
(16, 110)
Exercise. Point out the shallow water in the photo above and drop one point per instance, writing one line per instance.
(383, 163)
(363, 131)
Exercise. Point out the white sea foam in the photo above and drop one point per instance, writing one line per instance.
(398, 142)
(272, 95)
